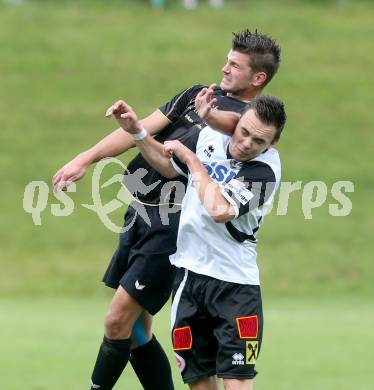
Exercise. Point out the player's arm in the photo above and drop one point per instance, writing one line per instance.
(120, 141)
(153, 152)
(112, 145)
(210, 193)
(151, 149)
(222, 121)
(251, 188)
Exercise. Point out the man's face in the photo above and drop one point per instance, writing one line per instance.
(237, 74)
(251, 137)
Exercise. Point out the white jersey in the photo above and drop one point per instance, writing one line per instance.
(225, 251)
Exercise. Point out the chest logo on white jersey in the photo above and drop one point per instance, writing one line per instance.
(219, 173)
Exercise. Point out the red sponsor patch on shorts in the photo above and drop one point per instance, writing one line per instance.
(247, 327)
(182, 338)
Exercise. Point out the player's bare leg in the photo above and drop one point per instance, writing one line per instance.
(123, 312)
(114, 351)
(126, 323)
(210, 383)
(238, 384)
(142, 330)
(147, 320)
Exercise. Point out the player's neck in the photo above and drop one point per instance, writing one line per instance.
(245, 96)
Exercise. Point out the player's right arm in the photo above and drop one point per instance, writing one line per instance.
(223, 121)
(112, 145)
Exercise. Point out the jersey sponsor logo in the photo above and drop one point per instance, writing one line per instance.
(193, 118)
(219, 173)
(239, 191)
(139, 286)
(251, 352)
(238, 359)
(182, 338)
(247, 327)
(181, 363)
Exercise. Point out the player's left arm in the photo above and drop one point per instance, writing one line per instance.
(210, 193)
(151, 149)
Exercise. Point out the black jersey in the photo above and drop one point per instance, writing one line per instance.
(180, 110)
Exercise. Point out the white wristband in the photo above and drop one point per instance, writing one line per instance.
(141, 135)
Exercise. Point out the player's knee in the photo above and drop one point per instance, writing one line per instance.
(117, 325)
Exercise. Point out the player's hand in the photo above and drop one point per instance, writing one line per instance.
(178, 149)
(204, 101)
(125, 116)
(69, 173)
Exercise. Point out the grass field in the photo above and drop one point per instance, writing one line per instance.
(62, 63)
(327, 345)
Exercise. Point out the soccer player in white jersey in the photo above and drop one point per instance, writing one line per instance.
(217, 312)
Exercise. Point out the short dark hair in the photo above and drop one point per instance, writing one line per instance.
(263, 50)
(270, 110)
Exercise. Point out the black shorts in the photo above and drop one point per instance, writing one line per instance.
(141, 262)
(216, 327)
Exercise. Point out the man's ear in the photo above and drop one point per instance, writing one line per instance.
(259, 79)
(274, 142)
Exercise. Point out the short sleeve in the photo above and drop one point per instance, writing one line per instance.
(250, 188)
(175, 107)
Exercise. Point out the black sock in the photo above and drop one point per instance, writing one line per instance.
(152, 366)
(111, 360)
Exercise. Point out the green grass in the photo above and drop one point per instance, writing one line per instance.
(308, 344)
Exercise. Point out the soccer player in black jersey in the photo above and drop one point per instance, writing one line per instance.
(140, 270)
